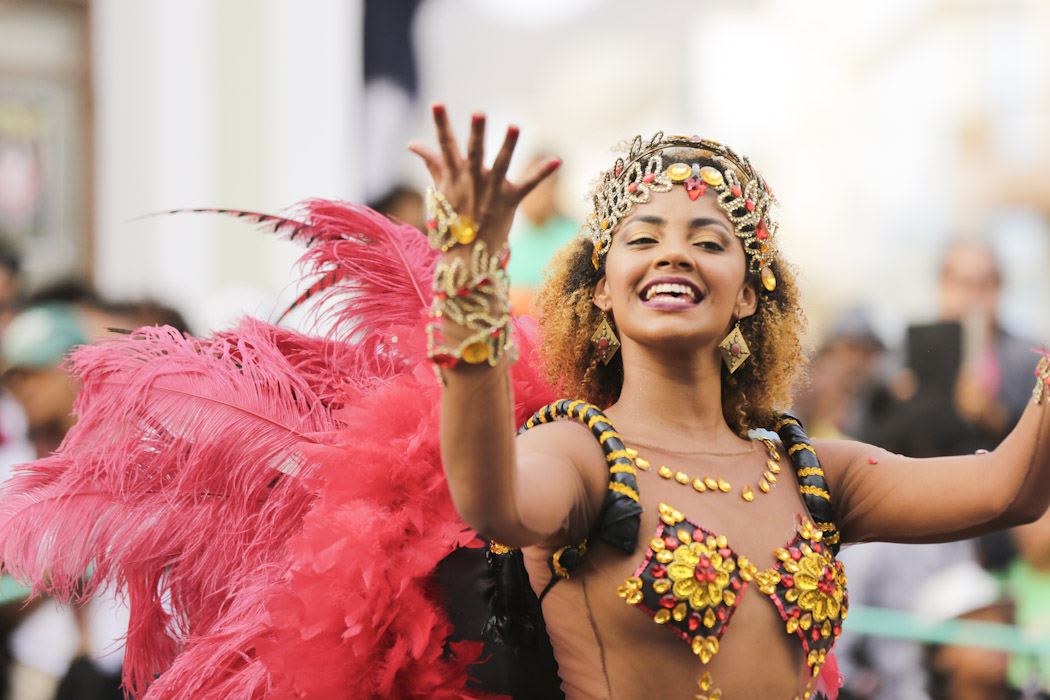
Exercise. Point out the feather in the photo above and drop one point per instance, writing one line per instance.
(272, 503)
(181, 482)
(294, 230)
(369, 273)
(373, 271)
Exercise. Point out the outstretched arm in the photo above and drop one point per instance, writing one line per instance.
(882, 496)
(533, 490)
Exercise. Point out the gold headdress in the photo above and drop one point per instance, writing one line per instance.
(742, 193)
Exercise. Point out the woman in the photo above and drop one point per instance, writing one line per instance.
(680, 270)
(275, 507)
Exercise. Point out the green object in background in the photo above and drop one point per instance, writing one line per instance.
(883, 622)
(531, 248)
(40, 337)
(11, 591)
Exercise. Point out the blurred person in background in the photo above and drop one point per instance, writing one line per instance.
(961, 671)
(842, 374)
(15, 448)
(992, 388)
(46, 637)
(966, 380)
(1028, 581)
(539, 231)
(32, 349)
(10, 287)
(61, 653)
(986, 389)
(404, 203)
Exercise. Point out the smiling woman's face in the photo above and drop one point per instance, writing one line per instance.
(675, 274)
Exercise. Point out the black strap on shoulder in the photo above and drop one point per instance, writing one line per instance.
(811, 482)
(620, 517)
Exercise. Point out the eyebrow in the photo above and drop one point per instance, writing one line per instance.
(700, 222)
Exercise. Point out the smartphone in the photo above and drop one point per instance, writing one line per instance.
(935, 355)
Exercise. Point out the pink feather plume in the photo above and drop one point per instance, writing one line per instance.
(272, 503)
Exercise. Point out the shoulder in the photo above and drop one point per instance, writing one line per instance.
(560, 433)
(564, 437)
(838, 456)
(856, 469)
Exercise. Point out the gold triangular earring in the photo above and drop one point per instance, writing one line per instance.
(605, 340)
(734, 349)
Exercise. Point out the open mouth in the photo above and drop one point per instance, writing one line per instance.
(672, 291)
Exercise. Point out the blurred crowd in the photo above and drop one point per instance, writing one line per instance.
(50, 651)
(956, 386)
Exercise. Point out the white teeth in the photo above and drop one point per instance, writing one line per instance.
(667, 288)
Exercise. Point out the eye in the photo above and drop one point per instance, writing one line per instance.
(709, 244)
(641, 240)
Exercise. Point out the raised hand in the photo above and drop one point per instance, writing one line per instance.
(484, 194)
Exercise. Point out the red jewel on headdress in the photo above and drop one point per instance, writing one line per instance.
(504, 258)
(761, 232)
(750, 205)
(432, 224)
(735, 189)
(632, 186)
(648, 177)
(444, 360)
(695, 187)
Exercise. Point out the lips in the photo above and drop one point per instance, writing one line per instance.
(671, 292)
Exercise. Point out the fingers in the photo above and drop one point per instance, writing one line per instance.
(431, 158)
(537, 174)
(476, 153)
(499, 168)
(447, 141)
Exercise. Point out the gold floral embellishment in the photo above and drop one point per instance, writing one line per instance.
(701, 575)
(816, 581)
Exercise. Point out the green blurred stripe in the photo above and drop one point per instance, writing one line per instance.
(11, 591)
(883, 622)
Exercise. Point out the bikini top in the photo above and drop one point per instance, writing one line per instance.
(690, 580)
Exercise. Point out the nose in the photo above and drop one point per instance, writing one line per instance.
(673, 255)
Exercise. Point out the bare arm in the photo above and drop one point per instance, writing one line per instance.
(882, 496)
(539, 488)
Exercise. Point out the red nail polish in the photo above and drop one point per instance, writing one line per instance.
(477, 118)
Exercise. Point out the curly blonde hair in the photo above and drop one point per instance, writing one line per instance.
(751, 397)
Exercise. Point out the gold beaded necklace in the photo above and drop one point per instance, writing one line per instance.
(715, 485)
